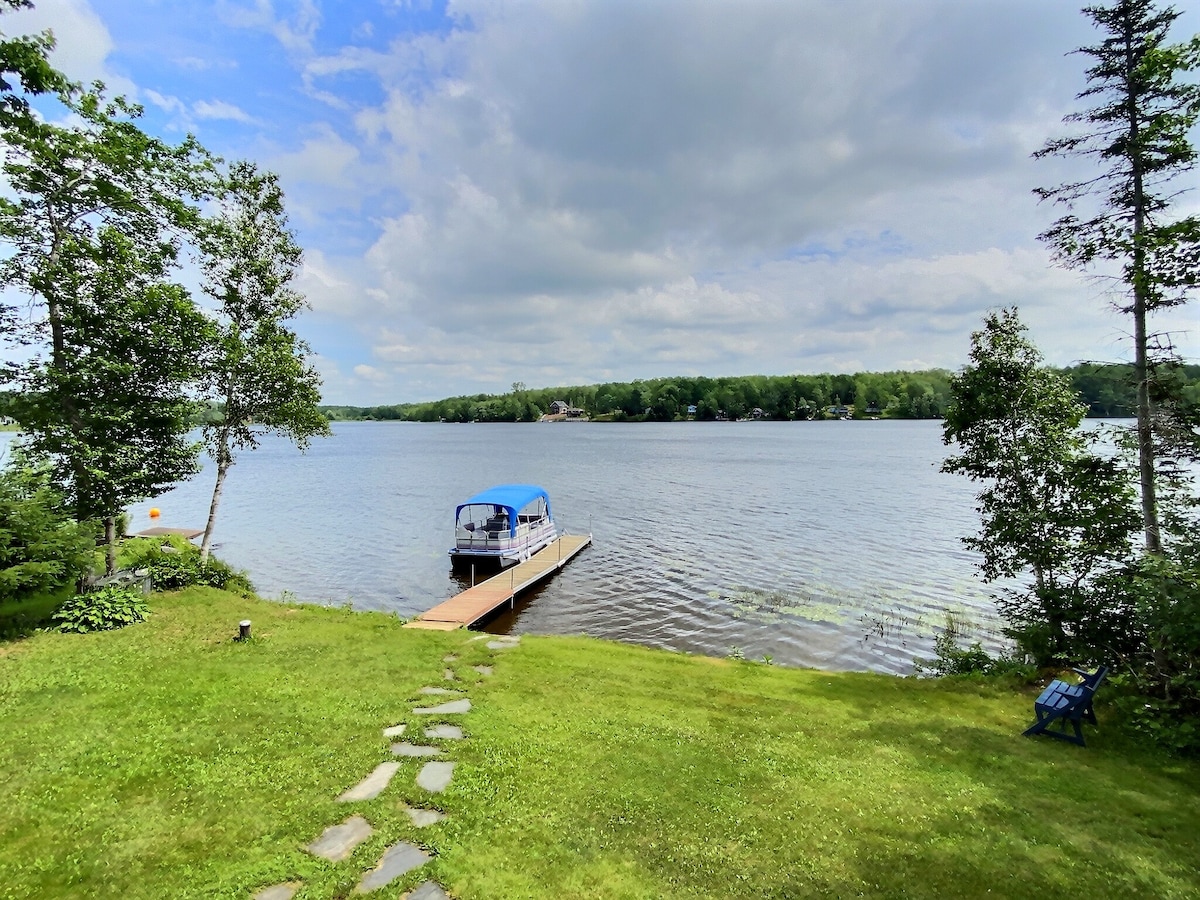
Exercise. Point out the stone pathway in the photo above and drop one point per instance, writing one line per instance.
(338, 842)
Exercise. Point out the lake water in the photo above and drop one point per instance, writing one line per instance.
(830, 544)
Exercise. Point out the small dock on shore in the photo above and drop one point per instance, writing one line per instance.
(189, 534)
(473, 604)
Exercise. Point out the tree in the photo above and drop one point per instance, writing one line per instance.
(1050, 507)
(1137, 132)
(129, 342)
(257, 370)
(95, 216)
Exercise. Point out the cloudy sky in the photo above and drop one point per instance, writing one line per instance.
(569, 192)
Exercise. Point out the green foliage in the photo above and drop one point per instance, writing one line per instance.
(175, 563)
(94, 214)
(110, 607)
(110, 414)
(782, 398)
(1163, 596)
(950, 658)
(1049, 506)
(42, 549)
(25, 70)
(1108, 390)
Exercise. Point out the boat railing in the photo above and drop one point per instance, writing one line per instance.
(480, 538)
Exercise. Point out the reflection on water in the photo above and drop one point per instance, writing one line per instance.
(832, 544)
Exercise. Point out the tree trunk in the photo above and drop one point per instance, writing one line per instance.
(1145, 433)
(110, 545)
(205, 544)
(1139, 283)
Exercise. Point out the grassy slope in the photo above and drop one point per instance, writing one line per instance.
(166, 760)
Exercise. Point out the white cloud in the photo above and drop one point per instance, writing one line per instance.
(295, 32)
(370, 373)
(170, 105)
(219, 109)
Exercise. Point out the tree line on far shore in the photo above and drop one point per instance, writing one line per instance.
(1109, 390)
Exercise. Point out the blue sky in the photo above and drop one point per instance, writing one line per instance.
(571, 192)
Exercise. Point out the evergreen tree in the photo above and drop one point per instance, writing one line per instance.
(1137, 132)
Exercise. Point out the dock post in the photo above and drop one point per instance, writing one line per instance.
(472, 574)
(512, 598)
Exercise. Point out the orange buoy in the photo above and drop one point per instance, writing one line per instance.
(154, 512)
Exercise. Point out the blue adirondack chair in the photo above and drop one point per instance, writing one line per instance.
(1064, 704)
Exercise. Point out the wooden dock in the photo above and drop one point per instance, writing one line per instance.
(158, 531)
(473, 604)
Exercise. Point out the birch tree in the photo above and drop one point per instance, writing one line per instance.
(258, 373)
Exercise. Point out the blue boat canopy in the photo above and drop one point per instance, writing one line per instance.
(510, 497)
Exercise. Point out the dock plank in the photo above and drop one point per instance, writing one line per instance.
(467, 608)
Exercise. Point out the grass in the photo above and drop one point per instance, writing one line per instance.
(168, 760)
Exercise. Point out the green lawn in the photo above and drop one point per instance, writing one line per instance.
(167, 760)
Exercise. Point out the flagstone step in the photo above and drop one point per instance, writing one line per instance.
(337, 842)
(404, 748)
(454, 706)
(397, 860)
(435, 776)
(284, 891)
(423, 818)
(371, 786)
(427, 890)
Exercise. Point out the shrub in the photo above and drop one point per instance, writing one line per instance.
(103, 610)
(175, 564)
(42, 549)
(1163, 687)
(949, 658)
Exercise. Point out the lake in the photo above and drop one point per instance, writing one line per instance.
(829, 544)
(817, 544)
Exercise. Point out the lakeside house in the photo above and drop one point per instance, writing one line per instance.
(560, 410)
